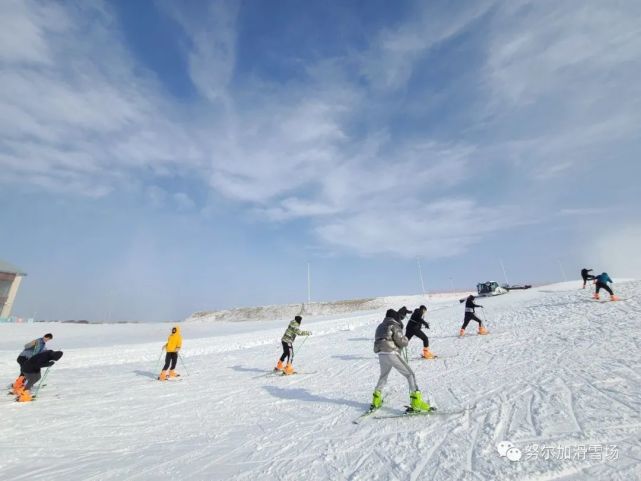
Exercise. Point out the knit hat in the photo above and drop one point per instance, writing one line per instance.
(392, 313)
(298, 319)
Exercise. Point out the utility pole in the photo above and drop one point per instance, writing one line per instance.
(420, 275)
(309, 284)
(504, 274)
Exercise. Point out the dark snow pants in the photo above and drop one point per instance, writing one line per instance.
(601, 285)
(470, 316)
(21, 360)
(170, 357)
(586, 278)
(288, 352)
(418, 333)
(30, 379)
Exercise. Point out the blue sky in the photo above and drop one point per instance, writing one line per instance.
(160, 158)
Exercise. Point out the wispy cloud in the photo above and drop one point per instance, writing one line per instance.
(329, 144)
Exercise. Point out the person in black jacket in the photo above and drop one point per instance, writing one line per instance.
(414, 326)
(585, 274)
(31, 370)
(470, 316)
(402, 314)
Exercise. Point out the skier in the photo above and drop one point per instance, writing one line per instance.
(31, 370)
(602, 283)
(30, 349)
(470, 316)
(174, 343)
(414, 329)
(585, 274)
(402, 314)
(293, 330)
(389, 340)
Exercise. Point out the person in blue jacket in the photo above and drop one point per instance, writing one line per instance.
(602, 283)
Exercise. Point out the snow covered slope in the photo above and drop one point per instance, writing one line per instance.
(559, 377)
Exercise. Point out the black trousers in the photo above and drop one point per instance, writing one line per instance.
(288, 352)
(601, 285)
(586, 278)
(170, 357)
(21, 360)
(31, 378)
(470, 316)
(418, 333)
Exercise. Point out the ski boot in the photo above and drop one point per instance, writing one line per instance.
(417, 404)
(595, 296)
(377, 400)
(163, 376)
(279, 366)
(461, 332)
(483, 331)
(614, 298)
(18, 385)
(289, 369)
(25, 396)
(173, 374)
(427, 354)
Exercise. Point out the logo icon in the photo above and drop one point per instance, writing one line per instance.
(507, 450)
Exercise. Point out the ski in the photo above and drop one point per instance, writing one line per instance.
(298, 372)
(281, 374)
(433, 411)
(421, 358)
(366, 414)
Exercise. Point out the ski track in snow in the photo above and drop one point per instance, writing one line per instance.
(557, 369)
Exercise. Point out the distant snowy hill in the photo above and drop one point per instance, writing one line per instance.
(558, 378)
(330, 308)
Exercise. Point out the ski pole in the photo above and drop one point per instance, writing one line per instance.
(41, 383)
(159, 358)
(183, 362)
(298, 348)
(484, 317)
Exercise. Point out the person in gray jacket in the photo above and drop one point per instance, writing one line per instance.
(30, 349)
(389, 340)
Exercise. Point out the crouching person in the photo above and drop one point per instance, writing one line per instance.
(31, 372)
(388, 343)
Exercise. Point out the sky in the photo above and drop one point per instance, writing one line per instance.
(159, 158)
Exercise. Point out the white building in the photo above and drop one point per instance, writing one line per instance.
(10, 278)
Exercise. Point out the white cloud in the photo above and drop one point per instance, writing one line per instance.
(212, 56)
(561, 82)
(393, 55)
(444, 228)
(71, 123)
(321, 146)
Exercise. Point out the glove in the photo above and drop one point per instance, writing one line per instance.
(50, 363)
(428, 325)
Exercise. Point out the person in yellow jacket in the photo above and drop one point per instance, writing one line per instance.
(174, 343)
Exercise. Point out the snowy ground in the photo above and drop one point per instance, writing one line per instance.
(558, 370)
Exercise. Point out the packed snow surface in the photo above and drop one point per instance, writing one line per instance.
(559, 377)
